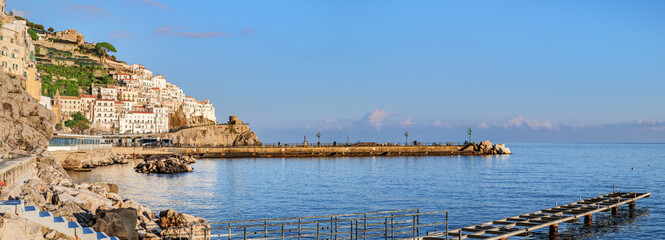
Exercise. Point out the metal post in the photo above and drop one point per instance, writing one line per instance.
(413, 227)
(385, 223)
(331, 227)
(365, 227)
(299, 228)
(446, 225)
(392, 226)
(265, 229)
(588, 220)
(631, 209)
(418, 222)
(317, 231)
(615, 211)
(244, 233)
(554, 231)
(351, 230)
(229, 231)
(356, 228)
(614, 188)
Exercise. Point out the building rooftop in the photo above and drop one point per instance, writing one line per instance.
(70, 97)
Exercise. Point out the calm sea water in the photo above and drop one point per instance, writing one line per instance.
(475, 189)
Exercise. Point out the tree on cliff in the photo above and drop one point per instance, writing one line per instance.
(78, 123)
(177, 119)
(102, 48)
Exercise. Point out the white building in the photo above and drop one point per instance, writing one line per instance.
(46, 102)
(138, 122)
(119, 77)
(108, 92)
(141, 72)
(208, 111)
(161, 119)
(104, 113)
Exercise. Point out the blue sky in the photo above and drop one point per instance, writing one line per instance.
(589, 71)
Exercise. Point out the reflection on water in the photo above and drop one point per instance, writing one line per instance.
(475, 188)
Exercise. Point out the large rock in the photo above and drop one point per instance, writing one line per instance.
(14, 227)
(25, 125)
(181, 224)
(119, 223)
(247, 138)
(166, 164)
(216, 136)
(91, 159)
(485, 147)
(501, 148)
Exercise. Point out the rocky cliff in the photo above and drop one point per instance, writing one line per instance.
(225, 135)
(25, 125)
(25, 130)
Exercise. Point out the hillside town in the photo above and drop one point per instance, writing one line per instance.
(135, 101)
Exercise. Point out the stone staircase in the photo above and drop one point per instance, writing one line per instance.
(72, 229)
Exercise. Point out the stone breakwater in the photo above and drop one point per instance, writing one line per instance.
(357, 150)
(166, 164)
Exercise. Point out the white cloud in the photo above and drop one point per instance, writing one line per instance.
(519, 121)
(407, 122)
(376, 118)
(483, 125)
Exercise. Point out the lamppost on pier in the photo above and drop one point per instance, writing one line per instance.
(318, 138)
(406, 135)
(468, 132)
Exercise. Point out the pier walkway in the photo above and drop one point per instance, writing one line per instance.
(523, 225)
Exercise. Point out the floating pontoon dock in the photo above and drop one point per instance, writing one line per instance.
(523, 225)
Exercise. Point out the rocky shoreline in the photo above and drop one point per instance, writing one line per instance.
(25, 129)
(92, 159)
(98, 205)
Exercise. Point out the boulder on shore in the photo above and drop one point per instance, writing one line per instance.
(171, 221)
(166, 164)
(119, 223)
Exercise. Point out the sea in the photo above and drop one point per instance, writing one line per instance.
(474, 189)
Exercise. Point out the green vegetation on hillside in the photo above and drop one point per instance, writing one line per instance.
(75, 77)
(33, 35)
(38, 27)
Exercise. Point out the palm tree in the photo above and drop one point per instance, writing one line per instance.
(103, 48)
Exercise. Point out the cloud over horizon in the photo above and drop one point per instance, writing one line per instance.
(381, 125)
(176, 31)
(519, 121)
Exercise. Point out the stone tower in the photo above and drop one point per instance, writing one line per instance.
(3, 5)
